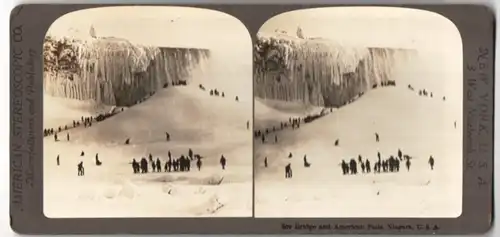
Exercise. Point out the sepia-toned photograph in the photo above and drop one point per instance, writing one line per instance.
(147, 113)
(358, 113)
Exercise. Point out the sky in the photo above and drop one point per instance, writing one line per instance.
(369, 26)
(145, 25)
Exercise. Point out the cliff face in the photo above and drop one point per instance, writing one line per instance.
(320, 72)
(113, 71)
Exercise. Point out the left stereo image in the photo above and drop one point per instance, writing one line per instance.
(147, 113)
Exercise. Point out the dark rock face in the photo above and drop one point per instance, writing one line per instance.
(113, 71)
(318, 72)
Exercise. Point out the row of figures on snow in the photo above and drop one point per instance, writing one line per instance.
(215, 92)
(424, 92)
(293, 123)
(181, 164)
(86, 121)
(392, 164)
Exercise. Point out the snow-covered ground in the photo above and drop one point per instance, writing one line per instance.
(210, 126)
(419, 126)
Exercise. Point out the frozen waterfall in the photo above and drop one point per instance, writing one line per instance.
(113, 71)
(321, 72)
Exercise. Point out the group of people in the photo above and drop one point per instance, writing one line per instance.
(80, 167)
(424, 92)
(391, 164)
(293, 123)
(86, 121)
(181, 164)
(215, 92)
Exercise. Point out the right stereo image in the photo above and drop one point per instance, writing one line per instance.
(358, 113)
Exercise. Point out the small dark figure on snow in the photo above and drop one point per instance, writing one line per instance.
(144, 165)
(290, 155)
(275, 139)
(265, 162)
(376, 167)
(306, 164)
(82, 153)
(55, 137)
(377, 138)
(400, 154)
(368, 168)
(397, 164)
(353, 166)
(408, 164)
(455, 124)
(198, 163)
(263, 138)
(67, 136)
(168, 165)
(97, 161)
(392, 164)
(360, 159)
(345, 167)
(127, 141)
(248, 125)
(57, 160)
(223, 162)
(188, 165)
(81, 170)
(431, 162)
(223, 94)
(190, 154)
(182, 163)
(384, 166)
(337, 142)
(288, 171)
(158, 164)
(362, 167)
(135, 166)
(176, 165)
(167, 136)
(236, 98)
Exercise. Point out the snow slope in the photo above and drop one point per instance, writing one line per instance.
(419, 126)
(210, 126)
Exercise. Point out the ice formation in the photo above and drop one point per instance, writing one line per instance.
(113, 71)
(320, 72)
